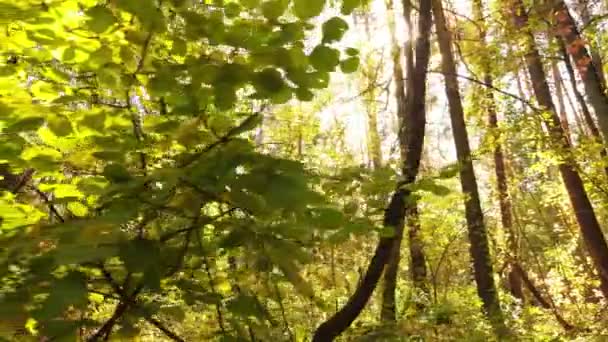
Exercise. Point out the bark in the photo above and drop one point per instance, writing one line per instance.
(596, 58)
(417, 256)
(13, 182)
(590, 123)
(559, 96)
(418, 267)
(584, 212)
(396, 210)
(480, 253)
(565, 27)
(504, 201)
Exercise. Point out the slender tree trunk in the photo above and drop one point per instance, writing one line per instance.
(585, 215)
(418, 267)
(590, 123)
(369, 75)
(504, 200)
(480, 252)
(596, 58)
(396, 210)
(559, 96)
(566, 28)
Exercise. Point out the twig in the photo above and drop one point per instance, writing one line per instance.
(526, 102)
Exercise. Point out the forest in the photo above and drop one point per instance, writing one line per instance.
(303, 170)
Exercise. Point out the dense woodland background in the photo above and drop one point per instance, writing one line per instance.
(303, 170)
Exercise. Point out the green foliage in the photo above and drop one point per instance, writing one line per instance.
(136, 119)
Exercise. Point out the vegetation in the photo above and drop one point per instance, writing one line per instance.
(303, 170)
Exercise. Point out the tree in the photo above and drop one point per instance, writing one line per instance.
(480, 250)
(584, 212)
(566, 28)
(398, 206)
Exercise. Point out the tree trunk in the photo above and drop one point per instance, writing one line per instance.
(369, 72)
(585, 215)
(396, 210)
(480, 252)
(418, 260)
(566, 28)
(504, 201)
(590, 123)
(596, 58)
(559, 95)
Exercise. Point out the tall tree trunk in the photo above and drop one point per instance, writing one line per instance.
(480, 252)
(559, 96)
(396, 210)
(418, 260)
(565, 27)
(585, 215)
(596, 58)
(369, 74)
(504, 200)
(590, 123)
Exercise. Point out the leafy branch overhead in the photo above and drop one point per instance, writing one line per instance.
(257, 170)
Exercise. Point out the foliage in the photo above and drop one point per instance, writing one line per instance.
(184, 170)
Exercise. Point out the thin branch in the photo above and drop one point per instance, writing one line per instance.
(170, 334)
(470, 79)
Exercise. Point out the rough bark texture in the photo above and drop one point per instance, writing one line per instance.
(388, 311)
(565, 27)
(583, 210)
(504, 201)
(396, 210)
(480, 253)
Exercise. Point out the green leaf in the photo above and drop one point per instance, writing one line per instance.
(349, 65)
(352, 52)
(348, 6)
(250, 4)
(247, 306)
(430, 185)
(269, 80)
(291, 272)
(324, 58)
(304, 94)
(77, 254)
(334, 29)
(225, 96)
(173, 311)
(305, 9)
(140, 255)
(101, 18)
(116, 173)
(60, 125)
(26, 124)
(70, 290)
(273, 9)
